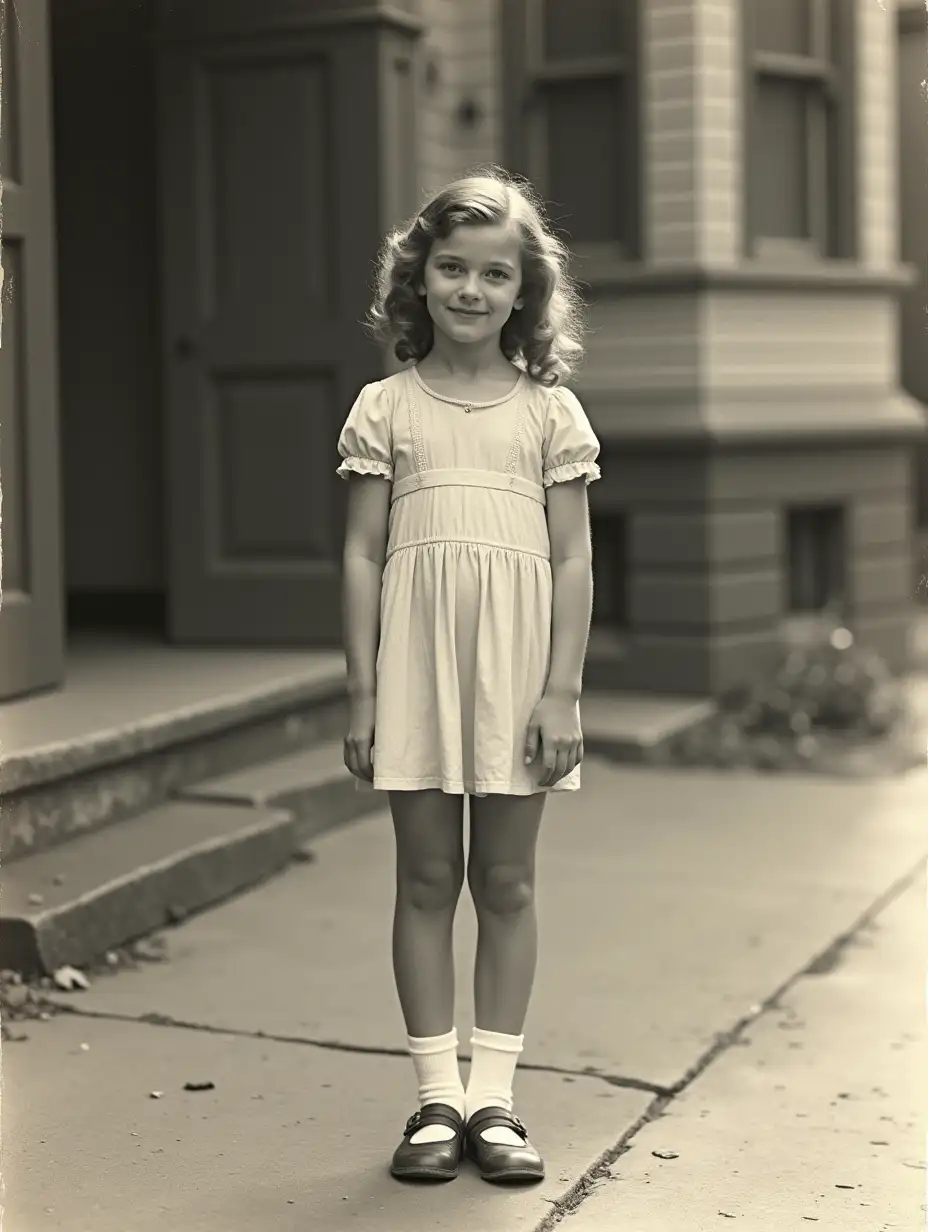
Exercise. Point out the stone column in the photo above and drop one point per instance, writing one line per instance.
(876, 135)
(692, 159)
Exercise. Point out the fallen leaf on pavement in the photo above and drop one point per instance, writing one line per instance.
(199, 1086)
(16, 996)
(155, 1094)
(36, 900)
(150, 949)
(665, 1154)
(726, 1214)
(69, 978)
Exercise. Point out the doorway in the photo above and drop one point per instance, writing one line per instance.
(104, 130)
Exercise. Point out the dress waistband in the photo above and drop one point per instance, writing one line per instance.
(448, 478)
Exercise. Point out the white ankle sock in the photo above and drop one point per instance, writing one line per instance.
(435, 1058)
(494, 1057)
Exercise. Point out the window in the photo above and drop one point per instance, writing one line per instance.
(798, 156)
(572, 120)
(610, 570)
(815, 558)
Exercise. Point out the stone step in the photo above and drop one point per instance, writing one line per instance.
(313, 785)
(638, 727)
(134, 725)
(71, 904)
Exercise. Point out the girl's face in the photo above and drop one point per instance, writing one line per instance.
(472, 280)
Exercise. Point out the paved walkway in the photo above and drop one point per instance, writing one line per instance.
(729, 973)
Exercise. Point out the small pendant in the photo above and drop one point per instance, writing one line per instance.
(468, 409)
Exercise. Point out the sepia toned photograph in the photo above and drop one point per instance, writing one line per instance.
(463, 615)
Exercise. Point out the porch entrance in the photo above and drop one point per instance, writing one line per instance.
(217, 176)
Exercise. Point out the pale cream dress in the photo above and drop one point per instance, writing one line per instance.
(466, 600)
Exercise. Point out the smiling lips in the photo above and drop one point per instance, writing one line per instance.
(466, 312)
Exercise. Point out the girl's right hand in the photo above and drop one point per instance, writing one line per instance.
(359, 743)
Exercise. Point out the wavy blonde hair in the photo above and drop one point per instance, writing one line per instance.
(545, 336)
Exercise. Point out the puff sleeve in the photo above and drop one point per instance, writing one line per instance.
(366, 440)
(571, 447)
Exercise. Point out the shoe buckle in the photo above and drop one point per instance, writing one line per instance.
(413, 1120)
(518, 1124)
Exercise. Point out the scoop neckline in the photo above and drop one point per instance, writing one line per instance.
(464, 401)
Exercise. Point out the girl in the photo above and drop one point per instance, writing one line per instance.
(467, 600)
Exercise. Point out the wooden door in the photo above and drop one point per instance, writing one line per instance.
(31, 613)
(271, 214)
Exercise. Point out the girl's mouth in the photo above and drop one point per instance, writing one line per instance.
(465, 312)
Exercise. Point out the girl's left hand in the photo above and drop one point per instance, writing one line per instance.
(555, 725)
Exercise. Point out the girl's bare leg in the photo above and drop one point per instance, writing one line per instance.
(429, 829)
(501, 875)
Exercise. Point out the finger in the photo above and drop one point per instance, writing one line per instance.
(531, 743)
(549, 757)
(560, 768)
(573, 759)
(550, 763)
(366, 761)
(351, 760)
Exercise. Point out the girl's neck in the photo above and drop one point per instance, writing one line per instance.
(468, 366)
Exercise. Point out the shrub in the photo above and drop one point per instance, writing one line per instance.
(824, 690)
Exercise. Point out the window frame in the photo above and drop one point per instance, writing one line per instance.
(819, 530)
(829, 173)
(528, 78)
(610, 536)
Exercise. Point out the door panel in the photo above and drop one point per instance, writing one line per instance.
(270, 220)
(31, 613)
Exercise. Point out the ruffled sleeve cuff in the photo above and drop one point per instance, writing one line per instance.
(588, 470)
(364, 466)
(366, 441)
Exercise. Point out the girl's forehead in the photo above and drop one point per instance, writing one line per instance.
(485, 242)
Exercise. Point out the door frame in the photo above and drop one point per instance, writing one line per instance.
(32, 627)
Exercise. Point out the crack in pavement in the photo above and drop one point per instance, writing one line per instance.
(822, 963)
(154, 1019)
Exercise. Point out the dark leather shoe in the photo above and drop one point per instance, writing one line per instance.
(495, 1161)
(430, 1161)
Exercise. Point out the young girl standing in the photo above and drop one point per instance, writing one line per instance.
(467, 601)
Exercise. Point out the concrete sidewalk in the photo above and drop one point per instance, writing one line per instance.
(675, 909)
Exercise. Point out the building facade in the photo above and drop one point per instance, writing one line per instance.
(193, 193)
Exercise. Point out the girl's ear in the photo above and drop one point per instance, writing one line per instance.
(518, 303)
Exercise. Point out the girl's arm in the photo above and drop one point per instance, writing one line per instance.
(362, 574)
(572, 574)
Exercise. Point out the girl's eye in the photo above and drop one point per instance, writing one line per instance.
(453, 267)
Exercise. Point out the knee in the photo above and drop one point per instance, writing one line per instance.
(502, 889)
(431, 885)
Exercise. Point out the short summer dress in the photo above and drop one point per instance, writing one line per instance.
(466, 597)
